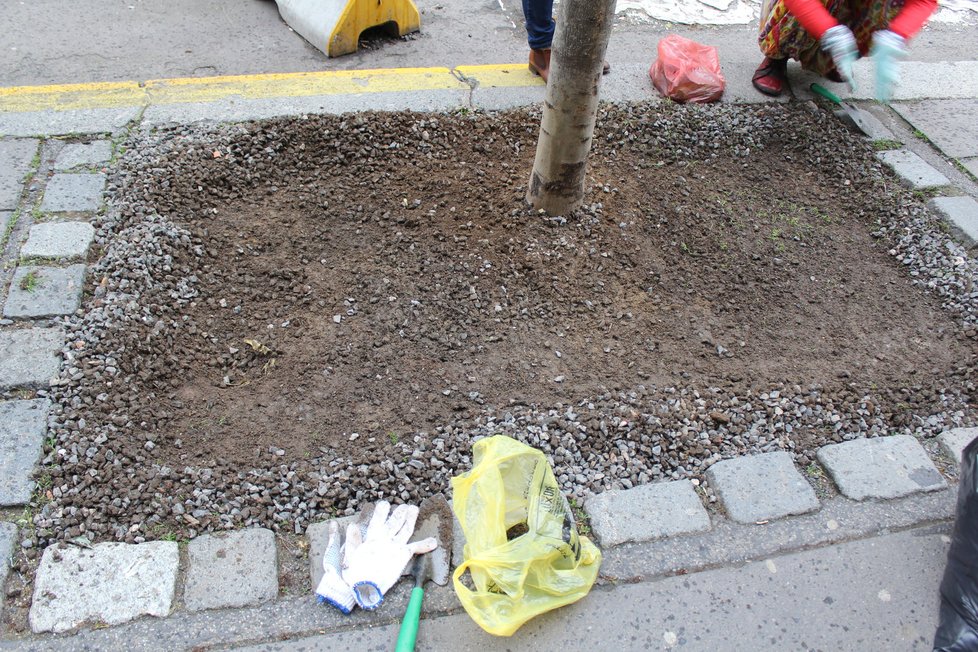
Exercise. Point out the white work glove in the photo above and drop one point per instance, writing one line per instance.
(374, 562)
(332, 588)
(841, 45)
(886, 51)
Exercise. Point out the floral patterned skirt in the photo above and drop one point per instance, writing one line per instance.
(783, 37)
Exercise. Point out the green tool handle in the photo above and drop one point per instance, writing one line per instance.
(818, 89)
(409, 626)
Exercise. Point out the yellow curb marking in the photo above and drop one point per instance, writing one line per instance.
(507, 75)
(106, 95)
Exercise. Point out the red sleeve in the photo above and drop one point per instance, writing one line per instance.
(912, 17)
(813, 16)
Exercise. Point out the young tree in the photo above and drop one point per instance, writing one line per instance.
(557, 181)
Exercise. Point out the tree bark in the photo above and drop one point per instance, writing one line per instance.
(571, 106)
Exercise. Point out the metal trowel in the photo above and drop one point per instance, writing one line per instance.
(852, 116)
(434, 520)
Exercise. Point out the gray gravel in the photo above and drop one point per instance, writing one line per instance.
(108, 490)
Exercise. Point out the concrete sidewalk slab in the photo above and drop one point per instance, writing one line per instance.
(762, 487)
(88, 155)
(16, 157)
(914, 172)
(881, 468)
(58, 240)
(23, 426)
(53, 291)
(647, 512)
(76, 121)
(952, 125)
(843, 597)
(110, 583)
(961, 214)
(953, 442)
(237, 569)
(30, 357)
(73, 192)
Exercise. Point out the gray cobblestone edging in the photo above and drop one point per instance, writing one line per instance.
(239, 569)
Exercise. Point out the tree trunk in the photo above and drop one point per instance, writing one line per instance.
(583, 30)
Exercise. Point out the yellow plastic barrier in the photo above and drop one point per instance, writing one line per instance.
(334, 26)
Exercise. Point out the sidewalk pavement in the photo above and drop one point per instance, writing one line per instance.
(785, 568)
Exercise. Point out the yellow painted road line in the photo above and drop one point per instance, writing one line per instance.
(64, 97)
(507, 75)
(302, 84)
(102, 95)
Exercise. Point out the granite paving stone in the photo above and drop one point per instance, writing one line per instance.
(761, 487)
(881, 468)
(961, 214)
(318, 535)
(5, 217)
(23, 426)
(16, 157)
(73, 192)
(8, 537)
(53, 291)
(954, 441)
(952, 125)
(646, 512)
(109, 583)
(90, 155)
(30, 357)
(971, 164)
(913, 170)
(237, 569)
(58, 240)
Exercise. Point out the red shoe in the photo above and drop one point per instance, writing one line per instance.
(771, 77)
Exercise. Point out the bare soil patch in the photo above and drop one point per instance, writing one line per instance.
(331, 307)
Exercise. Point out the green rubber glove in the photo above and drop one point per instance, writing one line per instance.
(841, 45)
(886, 51)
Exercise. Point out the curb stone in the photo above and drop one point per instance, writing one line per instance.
(237, 569)
(109, 583)
(953, 442)
(16, 157)
(8, 536)
(886, 467)
(30, 357)
(761, 487)
(961, 214)
(318, 535)
(90, 154)
(58, 240)
(68, 192)
(915, 173)
(646, 512)
(23, 426)
(58, 292)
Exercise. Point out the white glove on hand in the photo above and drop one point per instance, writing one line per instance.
(886, 51)
(374, 562)
(841, 45)
(332, 588)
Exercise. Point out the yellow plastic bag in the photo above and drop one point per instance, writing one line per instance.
(511, 485)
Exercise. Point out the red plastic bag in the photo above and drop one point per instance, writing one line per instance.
(687, 71)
